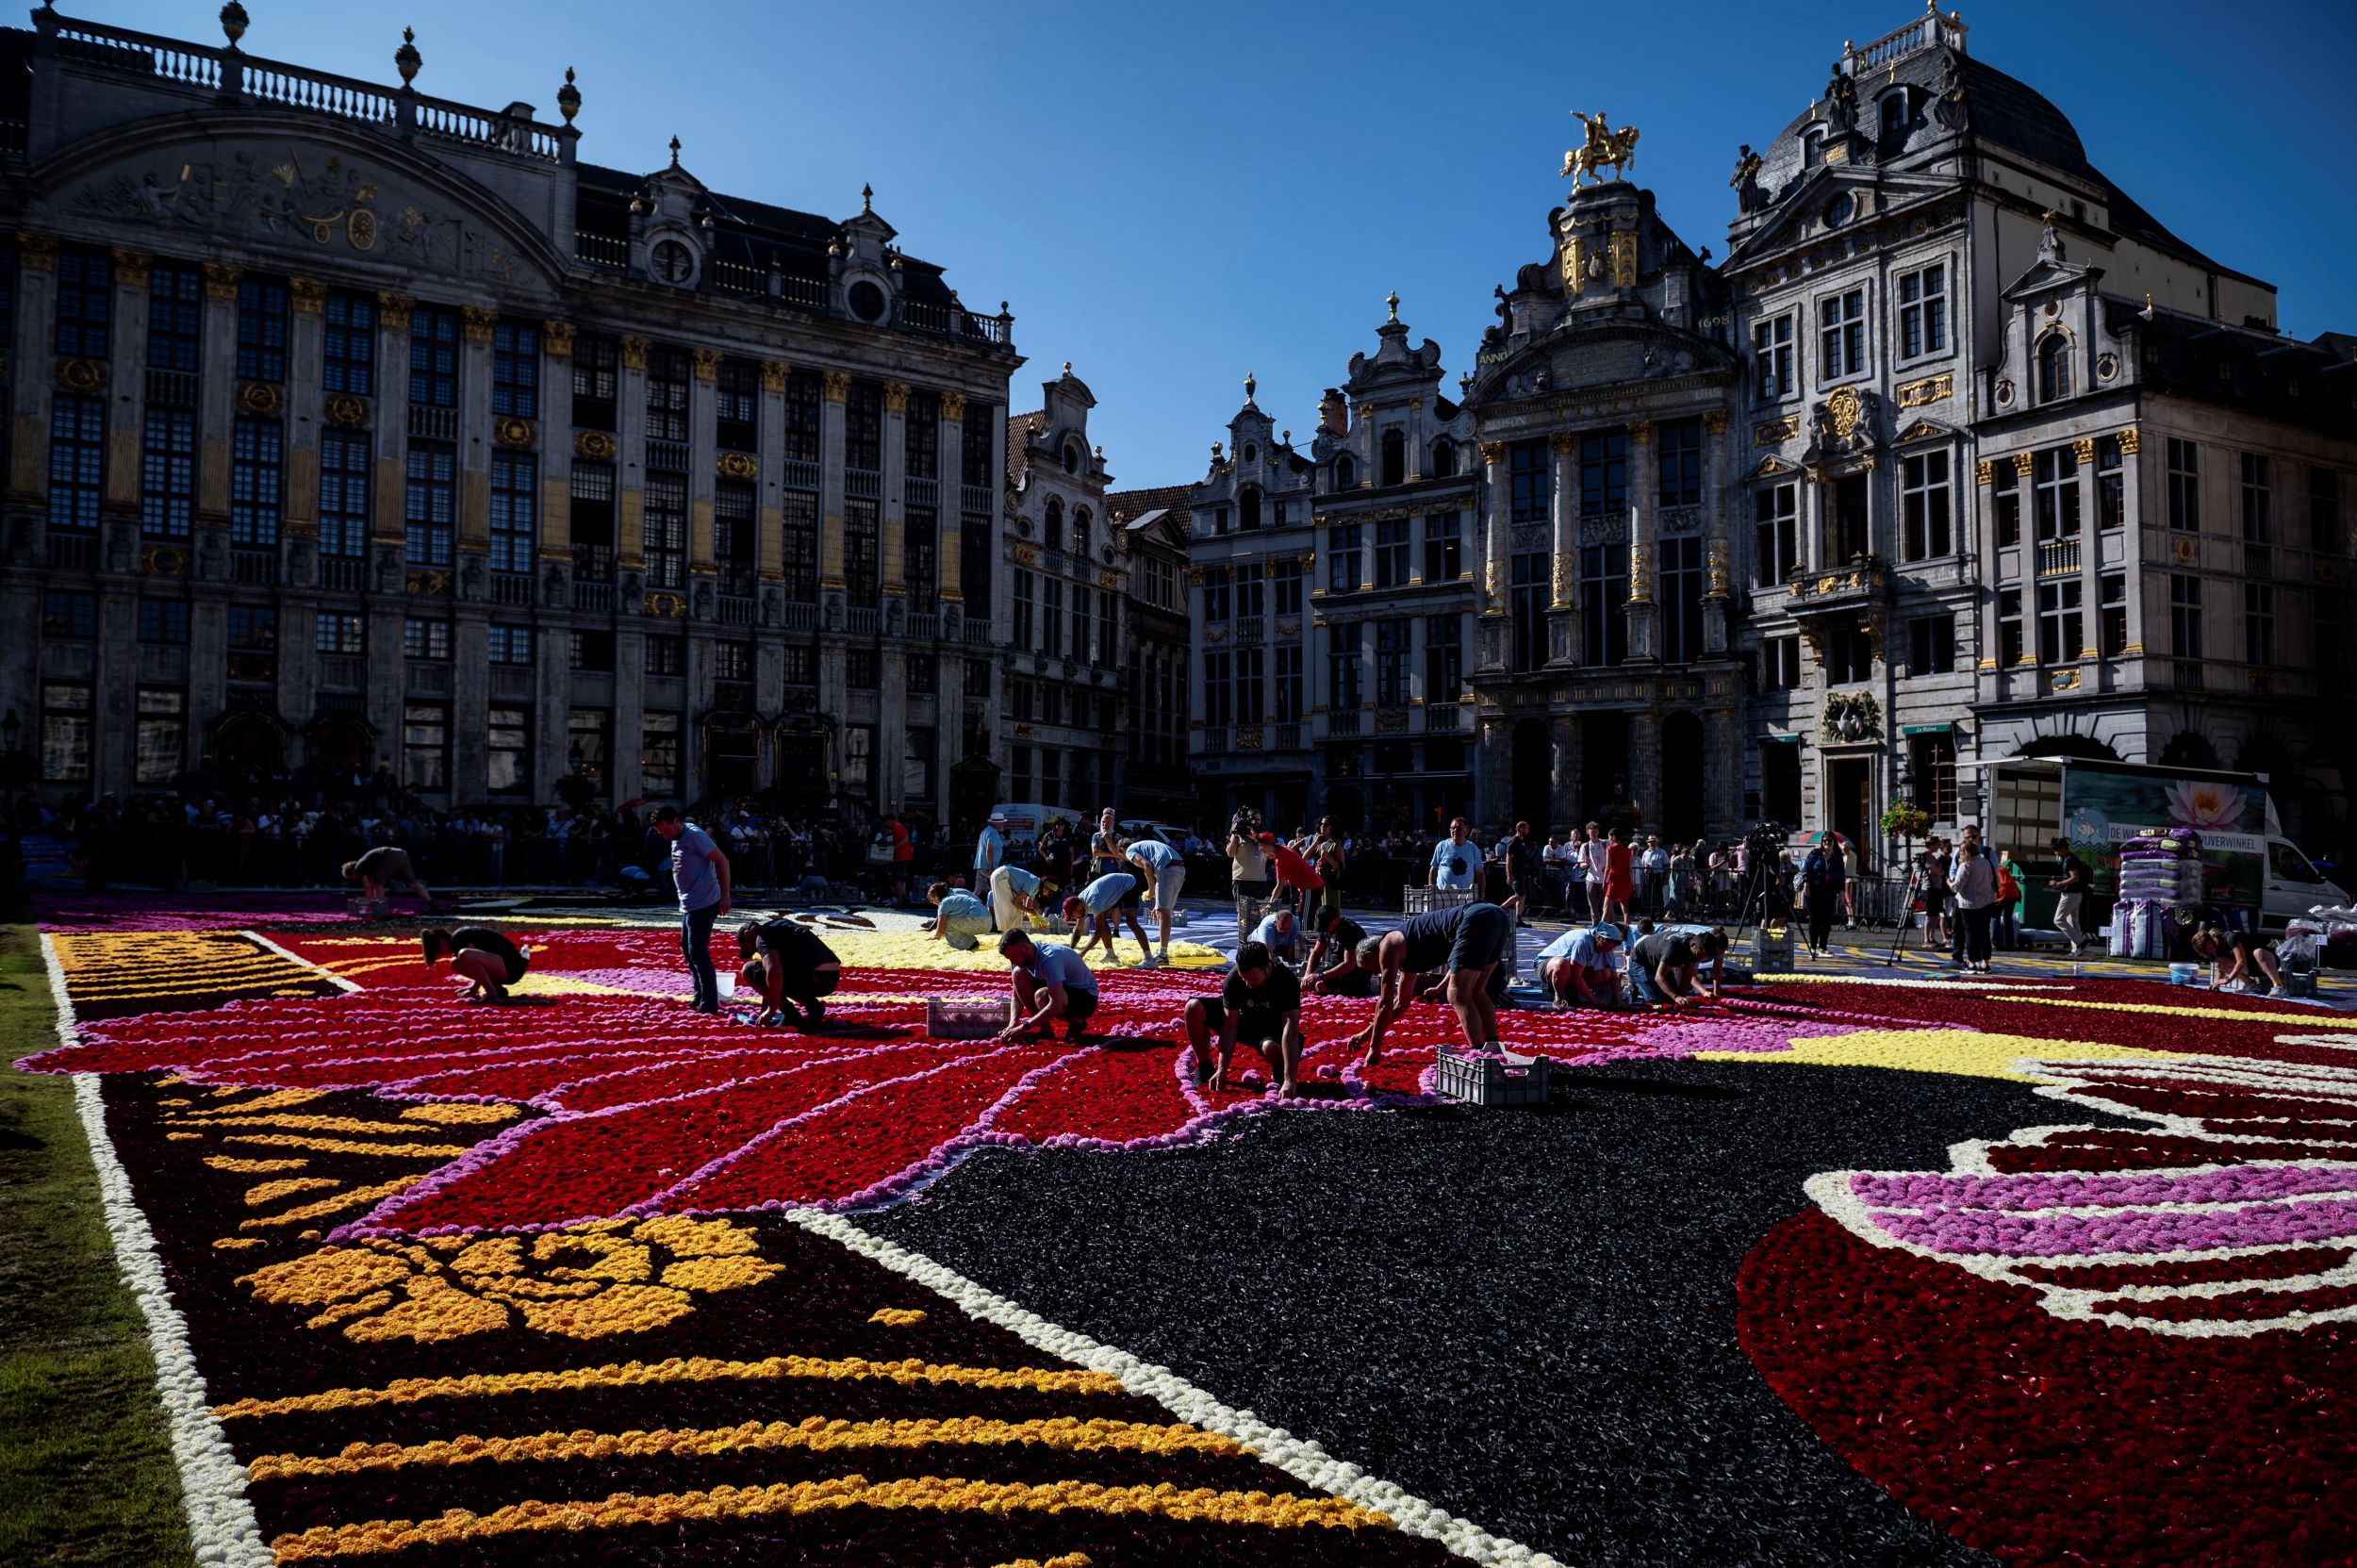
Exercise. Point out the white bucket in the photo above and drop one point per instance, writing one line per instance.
(728, 986)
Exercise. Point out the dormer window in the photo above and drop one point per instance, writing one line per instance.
(1249, 507)
(1071, 457)
(1443, 458)
(1395, 459)
(1345, 472)
(1897, 117)
(1812, 147)
(1054, 525)
(2054, 366)
(1251, 452)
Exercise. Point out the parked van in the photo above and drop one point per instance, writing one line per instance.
(1025, 821)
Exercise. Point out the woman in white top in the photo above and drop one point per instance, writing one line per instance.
(1591, 860)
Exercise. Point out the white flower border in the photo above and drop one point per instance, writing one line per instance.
(222, 1525)
(1299, 1457)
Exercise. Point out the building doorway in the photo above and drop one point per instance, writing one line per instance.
(1683, 805)
(1603, 763)
(1780, 784)
(1849, 807)
(732, 755)
(1534, 772)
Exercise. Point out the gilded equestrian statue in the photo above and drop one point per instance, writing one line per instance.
(1603, 147)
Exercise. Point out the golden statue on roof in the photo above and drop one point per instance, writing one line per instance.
(1603, 147)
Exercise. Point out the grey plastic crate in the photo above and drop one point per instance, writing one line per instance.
(1492, 1080)
(1423, 901)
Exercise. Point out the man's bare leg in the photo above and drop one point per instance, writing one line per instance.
(1288, 1059)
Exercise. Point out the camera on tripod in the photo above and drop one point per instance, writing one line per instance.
(1764, 842)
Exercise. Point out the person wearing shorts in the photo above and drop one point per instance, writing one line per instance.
(1051, 981)
(1165, 873)
(1259, 1005)
(380, 868)
(1096, 911)
(1468, 942)
(791, 968)
(960, 919)
(489, 959)
(1582, 967)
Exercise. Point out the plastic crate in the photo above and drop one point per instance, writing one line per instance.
(1509, 1079)
(366, 909)
(1771, 950)
(964, 1018)
(1423, 901)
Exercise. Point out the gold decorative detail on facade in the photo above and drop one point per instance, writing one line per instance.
(635, 353)
(513, 430)
(774, 373)
(1494, 453)
(1108, 578)
(1715, 561)
(308, 294)
(2084, 449)
(348, 410)
(738, 465)
(1640, 433)
(1714, 420)
(2063, 680)
(895, 397)
(1027, 555)
(35, 252)
(2024, 463)
(953, 407)
(1391, 722)
(838, 386)
(1250, 737)
(164, 560)
(221, 280)
(1847, 410)
(2185, 549)
(1574, 263)
(1216, 634)
(707, 363)
(1023, 732)
(479, 319)
(1985, 472)
(428, 583)
(1624, 242)
(81, 375)
(259, 397)
(1932, 389)
(2130, 441)
(1563, 442)
(1770, 432)
(557, 338)
(1639, 578)
(1194, 577)
(1289, 628)
(670, 605)
(392, 310)
(595, 445)
(131, 268)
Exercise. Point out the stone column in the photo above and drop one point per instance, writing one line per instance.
(125, 392)
(471, 672)
(306, 355)
(1813, 551)
(551, 675)
(950, 548)
(30, 389)
(629, 710)
(702, 406)
(386, 674)
(2090, 563)
(833, 691)
(1494, 769)
(1494, 640)
(2132, 479)
(630, 510)
(1643, 490)
(892, 509)
(217, 399)
(891, 723)
(768, 657)
(1563, 551)
(1722, 516)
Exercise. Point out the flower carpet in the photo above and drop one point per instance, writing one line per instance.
(2043, 1272)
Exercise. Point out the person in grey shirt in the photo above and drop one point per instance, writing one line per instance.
(700, 872)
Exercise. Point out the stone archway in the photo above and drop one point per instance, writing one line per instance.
(1684, 773)
(1534, 773)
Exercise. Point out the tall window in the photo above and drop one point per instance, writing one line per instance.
(1771, 358)
(1251, 703)
(344, 470)
(921, 457)
(65, 731)
(2324, 511)
(863, 560)
(2009, 644)
(339, 632)
(1934, 765)
(78, 460)
(348, 342)
(1775, 533)
(1603, 474)
(1443, 459)
(1530, 476)
(1394, 640)
(1082, 606)
(1023, 589)
(86, 296)
(664, 538)
(515, 510)
(667, 657)
(2059, 638)
(1924, 311)
(261, 329)
(1678, 447)
(68, 613)
(799, 523)
(1849, 651)
(2112, 615)
(1443, 657)
(516, 369)
(256, 472)
(1345, 472)
(1342, 558)
(1443, 550)
(1290, 705)
(1923, 507)
(423, 637)
(176, 317)
(1841, 334)
(1932, 645)
(433, 357)
(2111, 483)
(512, 644)
(2185, 485)
(2185, 615)
(254, 628)
(863, 427)
(597, 381)
(1390, 552)
(1681, 576)
(1780, 663)
(1393, 451)
(667, 380)
(168, 474)
(1343, 670)
(2054, 366)
(1219, 688)
(920, 549)
(1285, 585)
(161, 739)
(164, 620)
(2006, 497)
(508, 750)
(2258, 499)
(2258, 623)
(2056, 475)
(1052, 617)
(430, 502)
(736, 406)
(425, 745)
(1603, 604)
(1251, 591)
(978, 445)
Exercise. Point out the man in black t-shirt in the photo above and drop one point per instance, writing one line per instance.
(1261, 1005)
(1662, 966)
(1469, 942)
(787, 964)
(1342, 934)
(488, 958)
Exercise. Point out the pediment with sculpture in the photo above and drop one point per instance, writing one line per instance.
(1846, 423)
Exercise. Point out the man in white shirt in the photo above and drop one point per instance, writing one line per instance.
(1595, 851)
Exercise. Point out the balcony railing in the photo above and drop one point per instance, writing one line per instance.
(990, 329)
(1343, 721)
(1249, 631)
(174, 389)
(919, 491)
(923, 626)
(601, 250)
(511, 588)
(2185, 675)
(2058, 557)
(256, 568)
(668, 456)
(737, 610)
(864, 621)
(1442, 717)
(798, 617)
(1215, 740)
(74, 552)
(343, 573)
(593, 597)
(511, 682)
(798, 475)
(808, 292)
(1288, 737)
(862, 483)
(925, 318)
(974, 498)
(429, 675)
(734, 277)
(977, 630)
(348, 671)
(429, 423)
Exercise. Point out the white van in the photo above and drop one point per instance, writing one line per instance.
(2294, 886)
(1025, 821)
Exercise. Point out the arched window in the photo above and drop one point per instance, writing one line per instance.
(1071, 457)
(1345, 472)
(1443, 458)
(1898, 116)
(1395, 459)
(1812, 147)
(1054, 528)
(2054, 366)
(1081, 531)
(1249, 507)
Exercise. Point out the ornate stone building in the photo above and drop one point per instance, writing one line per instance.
(2026, 472)
(1603, 407)
(348, 423)
(1154, 528)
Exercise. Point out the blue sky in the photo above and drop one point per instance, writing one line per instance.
(1173, 195)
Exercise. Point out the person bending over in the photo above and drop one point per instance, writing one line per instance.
(1051, 981)
(1469, 942)
(791, 967)
(489, 959)
(1280, 933)
(960, 919)
(1662, 966)
(1579, 967)
(1341, 935)
(1015, 895)
(2238, 956)
(1260, 1006)
(380, 868)
(1096, 911)
(1164, 873)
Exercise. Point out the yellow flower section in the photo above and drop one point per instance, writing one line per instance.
(1280, 1510)
(1069, 1560)
(251, 1168)
(1967, 1053)
(134, 965)
(355, 1198)
(270, 1192)
(610, 1277)
(897, 1317)
(341, 1146)
(912, 950)
(461, 1113)
(692, 1369)
(816, 1435)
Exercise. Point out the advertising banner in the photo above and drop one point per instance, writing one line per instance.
(2103, 807)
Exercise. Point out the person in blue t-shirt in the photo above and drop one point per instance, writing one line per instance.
(961, 919)
(990, 848)
(1165, 873)
(1280, 933)
(700, 872)
(1455, 860)
(1096, 911)
(1584, 966)
(1051, 981)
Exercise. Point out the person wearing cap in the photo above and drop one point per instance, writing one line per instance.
(1338, 932)
(1096, 911)
(990, 848)
(1164, 873)
(1015, 895)
(1582, 966)
(1051, 981)
(960, 919)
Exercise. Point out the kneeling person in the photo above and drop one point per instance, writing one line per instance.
(791, 968)
(961, 919)
(1579, 966)
(1051, 981)
(1338, 933)
(1662, 966)
(489, 959)
(1261, 1005)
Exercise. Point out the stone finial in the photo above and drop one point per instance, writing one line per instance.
(233, 22)
(867, 198)
(675, 152)
(1393, 299)
(568, 97)
(1251, 386)
(1067, 367)
(406, 59)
